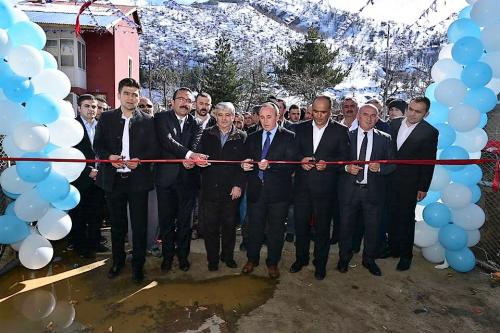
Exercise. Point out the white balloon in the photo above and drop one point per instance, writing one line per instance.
(425, 235)
(5, 45)
(464, 118)
(440, 179)
(456, 195)
(450, 92)
(471, 2)
(12, 183)
(446, 69)
(35, 252)
(16, 246)
(53, 82)
(494, 85)
(469, 217)
(37, 304)
(473, 237)
(62, 316)
(434, 253)
(69, 170)
(472, 141)
(30, 136)
(445, 52)
(475, 156)
(67, 109)
(55, 224)
(65, 132)
(11, 114)
(30, 207)
(490, 37)
(485, 12)
(10, 148)
(493, 60)
(25, 61)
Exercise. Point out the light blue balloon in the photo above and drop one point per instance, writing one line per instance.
(477, 74)
(43, 109)
(429, 92)
(465, 13)
(27, 33)
(438, 113)
(436, 214)
(454, 153)
(10, 195)
(476, 193)
(482, 98)
(483, 121)
(7, 15)
(49, 62)
(464, 27)
(53, 188)
(431, 197)
(70, 201)
(452, 237)
(18, 91)
(462, 260)
(447, 135)
(49, 147)
(470, 175)
(33, 171)
(10, 209)
(12, 229)
(467, 50)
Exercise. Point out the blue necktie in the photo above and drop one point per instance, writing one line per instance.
(265, 148)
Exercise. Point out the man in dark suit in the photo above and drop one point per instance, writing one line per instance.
(221, 186)
(268, 189)
(178, 135)
(85, 233)
(414, 139)
(361, 189)
(203, 106)
(317, 140)
(126, 135)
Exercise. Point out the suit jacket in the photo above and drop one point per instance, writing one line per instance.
(421, 144)
(277, 184)
(333, 146)
(383, 126)
(382, 149)
(218, 179)
(108, 141)
(83, 182)
(175, 145)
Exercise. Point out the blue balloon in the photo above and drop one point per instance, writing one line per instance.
(429, 92)
(11, 195)
(27, 33)
(12, 229)
(53, 188)
(454, 153)
(462, 260)
(467, 50)
(70, 201)
(470, 175)
(10, 209)
(482, 98)
(483, 121)
(436, 214)
(18, 90)
(43, 109)
(476, 193)
(49, 147)
(6, 74)
(477, 74)
(465, 13)
(7, 15)
(49, 62)
(447, 135)
(431, 197)
(33, 171)
(464, 27)
(438, 113)
(452, 237)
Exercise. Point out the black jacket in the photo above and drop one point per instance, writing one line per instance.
(85, 146)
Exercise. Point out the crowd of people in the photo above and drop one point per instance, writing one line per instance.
(222, 165)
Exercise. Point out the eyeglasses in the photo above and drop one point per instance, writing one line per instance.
(184, 100)
(143, 106)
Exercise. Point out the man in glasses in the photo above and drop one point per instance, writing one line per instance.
(145, 105)
(179, 135)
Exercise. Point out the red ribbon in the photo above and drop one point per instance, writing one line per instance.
(82, 9)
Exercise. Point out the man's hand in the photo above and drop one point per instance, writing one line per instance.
(246, 165)
(421, 195)
(374, 167)
(235, 193)
(198, 157)
(353, 169)
(93, 173)
(132, 163)
(263, 165)
(307, 166)
(188, 164)
(320, 165)
(120, 164)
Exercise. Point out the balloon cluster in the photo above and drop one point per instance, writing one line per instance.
(36, 122)
(467, 81)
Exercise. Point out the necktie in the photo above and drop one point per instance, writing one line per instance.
(362, 156)
(265, 149)
(180, 124)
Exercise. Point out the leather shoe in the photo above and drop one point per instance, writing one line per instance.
(166, 265)
(403, 264)
(213, 266)
(273, 271)
(296, 267)
(138, 276)
(114, 271)
(319, 274)
(184, 264)
(373, 268)
(231, 263)
(343, 266)
(248, 268)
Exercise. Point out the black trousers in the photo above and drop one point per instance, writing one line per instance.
(85, 232)
(402, 220)
(321, 209)
(122, 195)
(175, 208)
(219, 226)
(266, 220)
(360, 204)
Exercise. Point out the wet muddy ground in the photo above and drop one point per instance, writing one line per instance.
(421, 300)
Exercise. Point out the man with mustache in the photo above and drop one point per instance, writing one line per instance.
(203, 105)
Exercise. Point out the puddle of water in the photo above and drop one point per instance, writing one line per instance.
(89, 302)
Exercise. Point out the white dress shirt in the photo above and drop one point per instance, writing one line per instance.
(204, 123)
(125, 144)
(404, 132)
(354, 124)
(182, 121)
(317, 135)
(369, 147)
(90, 128)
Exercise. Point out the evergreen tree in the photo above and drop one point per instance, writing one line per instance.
(220, 78)
(308, 69)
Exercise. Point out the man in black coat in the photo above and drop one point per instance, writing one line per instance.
(317, 140)
(413, 139)
(268, 188)
(178, 135)
(221, 186)
(126, 135)
(362, 189)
